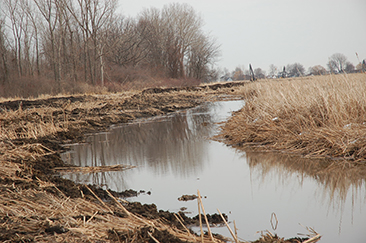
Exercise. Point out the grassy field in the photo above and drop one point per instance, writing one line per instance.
(320, 116)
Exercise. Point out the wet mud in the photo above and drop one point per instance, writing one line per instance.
(187, 197)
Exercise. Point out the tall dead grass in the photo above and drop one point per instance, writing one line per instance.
(321, 116)
(35, 215)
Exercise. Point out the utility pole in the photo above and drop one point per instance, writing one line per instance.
(252, 78)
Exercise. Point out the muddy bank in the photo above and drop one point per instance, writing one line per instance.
(38, 205)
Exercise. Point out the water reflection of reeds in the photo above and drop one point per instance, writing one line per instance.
(337, 178)
(176, 145)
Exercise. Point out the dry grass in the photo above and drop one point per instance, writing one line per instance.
(322, 116)
(76, 220)
(93, 169)
(49, 119)
(24, 124)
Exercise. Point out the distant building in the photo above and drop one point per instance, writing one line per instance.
(226, 78)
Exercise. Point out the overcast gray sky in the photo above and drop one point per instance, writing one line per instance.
(279, 32)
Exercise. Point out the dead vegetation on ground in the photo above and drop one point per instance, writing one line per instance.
(322, 116)
(37, 206)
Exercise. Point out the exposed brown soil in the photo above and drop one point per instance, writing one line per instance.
(37, 206)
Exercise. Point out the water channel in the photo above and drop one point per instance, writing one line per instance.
(175, 156)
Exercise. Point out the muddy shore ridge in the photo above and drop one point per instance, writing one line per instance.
(39, 205)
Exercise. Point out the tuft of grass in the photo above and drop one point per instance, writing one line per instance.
(320, 116)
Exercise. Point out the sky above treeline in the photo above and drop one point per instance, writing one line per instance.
(279, 32)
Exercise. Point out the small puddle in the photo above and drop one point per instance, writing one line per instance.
(174, 157)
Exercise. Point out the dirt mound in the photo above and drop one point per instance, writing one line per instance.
(50, 102)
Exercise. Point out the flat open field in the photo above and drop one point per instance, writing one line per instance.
(312, 116)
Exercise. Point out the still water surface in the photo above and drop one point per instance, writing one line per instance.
(175, 156)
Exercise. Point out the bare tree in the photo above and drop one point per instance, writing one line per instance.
(183, 30)
(93, 17)
(125, 43)
(201, 59)
(259, 73)
(4, 70)
(295, 70)
(51, 14)
(176, 42)
(349, 68)
(272, 71)
(30, 12)
(238, 74)
(337, 63)
(16, 17)
(69, 40)
(317, 70)
(152, 31)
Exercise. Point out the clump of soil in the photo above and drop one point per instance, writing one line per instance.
(213, 219)
(270, 238)
(187, 197)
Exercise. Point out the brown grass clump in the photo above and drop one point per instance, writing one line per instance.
(322, 116)
(35, 215)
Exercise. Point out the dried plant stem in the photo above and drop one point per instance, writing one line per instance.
(94, 169)
(200, 219)
(152, 237)
(236, 230)
(204, 214)
(227, 225)
(118, 203)
(313, 239)
(189, 233)
(92, 217)
(100, 200)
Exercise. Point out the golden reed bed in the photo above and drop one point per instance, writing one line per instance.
(320, 116)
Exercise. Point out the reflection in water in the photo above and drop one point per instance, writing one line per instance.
(337, 180)
(175, 157)
(176, 143)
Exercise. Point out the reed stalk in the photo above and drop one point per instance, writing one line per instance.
(228, 227)
(98, 198)
(200, 218)
(205, 216)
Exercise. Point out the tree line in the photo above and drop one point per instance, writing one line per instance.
(68, 42)
(337, 63)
